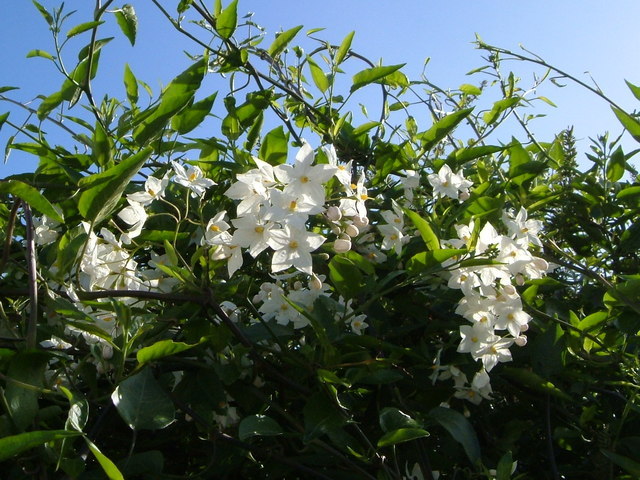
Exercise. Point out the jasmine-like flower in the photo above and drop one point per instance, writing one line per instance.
(192, 178)
(445, 183)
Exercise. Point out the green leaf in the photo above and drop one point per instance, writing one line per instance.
(184, 5)
(142, 403)
(102, 152)
(460, 429)
(78, 409)
(401, 435)
(7, 89)
(442, 128)
(425, 260)
(499, 107)
(3, 119)
(634, 89)
(16, 444)
(175, 97)
(630, 123)
(282, 40)
(593, 321)
(192, 116)
(630, 466)
(616, 165)
(83, 27)
(128, 22)
(40, 53)
(319, 77)
(275, 146)
(227, 20)
(505, 466)
(27, 369)
(32, 196)
(107, 465)
(320, 417)
(102, 191)
(161, 349)
(43, 11)
(393, 419)
(343, 50)
(532, 380)
(470, 89)
(258, 426)
(426, 232)
(130, 84)
(371, 75)
(347, 279)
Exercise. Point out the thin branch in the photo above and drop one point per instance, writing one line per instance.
(32, 325)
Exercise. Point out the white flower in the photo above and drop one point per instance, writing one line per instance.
(522, 229)
(342, 170)
(191, 178)
(153, 189)
(358, 324)
(44, 230)
(216, 232)
(252, 232)
(445, 183)
(293, 247)
(134, 215)
(393, 238)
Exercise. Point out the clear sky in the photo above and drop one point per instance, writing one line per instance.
(601, 38)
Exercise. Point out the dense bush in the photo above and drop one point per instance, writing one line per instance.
(261, 282)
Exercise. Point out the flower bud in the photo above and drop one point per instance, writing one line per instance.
(342, 245)
(521, 341)
(360, 222)
(315, 283)
(509, 289)
(463, 196)
(107, 352)
(524, 328)
(334, 213)
(352, 230)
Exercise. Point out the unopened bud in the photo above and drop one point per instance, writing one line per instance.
(315, 283)
(334, 213)
(342, 245)
(463, 196)
(360, 222)
(107, 352)
(520, 279)
(521, 341)
(524, 328)
(352, 230)
(509, 289)
(297, 285)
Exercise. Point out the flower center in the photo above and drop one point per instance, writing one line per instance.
(193, 177)
(293, 244)
(259, 229)
(214, 228)
(304, 179)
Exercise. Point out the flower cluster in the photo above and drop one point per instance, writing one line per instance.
(491, 303)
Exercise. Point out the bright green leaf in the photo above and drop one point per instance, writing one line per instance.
(43, 11)
(442, 128)
(107, 465)
(32, 196)
(634, 89)
(161, 349)
(40, 53)
(83, 27)
(319, 77)
(102, 191)
(16, 444)
(630, 123)
(470, 89)
(426, 232)
(227, 20)
(344, 48)
(282, 40)
(371, 75)
(274, 147)
(616, 165)
(3, 119)
(499, 107)
(128, 22)
(130, 84)
(78, 409)
(192, 116)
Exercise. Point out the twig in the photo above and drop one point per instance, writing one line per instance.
(32, 325)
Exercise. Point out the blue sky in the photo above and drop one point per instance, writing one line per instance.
(577, 36)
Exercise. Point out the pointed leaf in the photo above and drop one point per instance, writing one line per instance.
(282, 40)
(634, 89)
(630, 123)
(616, 165)
(345, 46)
(161, 349)
(401, 435)
(318, 76)
(258, 426)
(274, 147)
(442, 128)
(107, 465)
(227, 21)
(16, 444)
(128, 22)
(460, 429)
(32, 196)
(27, 369)
(393, 419)
(142, 403)
(426, 232)
(43, 11)
(3, 118)
(130, 85)
(102, 191)
(40, 53)
(175, 97)
(371, 75)
(83, 27)
(192, 116)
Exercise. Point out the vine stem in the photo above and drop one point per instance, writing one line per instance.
(32, 325)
